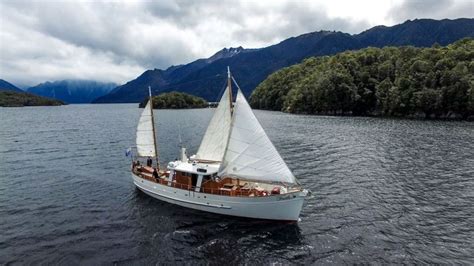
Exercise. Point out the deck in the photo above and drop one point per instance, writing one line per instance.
(226, 186)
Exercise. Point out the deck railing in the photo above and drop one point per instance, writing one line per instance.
(214, 191)
(228, 189)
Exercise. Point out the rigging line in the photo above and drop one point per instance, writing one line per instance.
(236, 83)
(221, 92)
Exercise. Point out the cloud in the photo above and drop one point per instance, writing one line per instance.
(278, 22)
(29, 56)
(435, 9)
(116, 41)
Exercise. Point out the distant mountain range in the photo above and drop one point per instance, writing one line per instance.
(7, 86)
(206, 77)
(73, 91)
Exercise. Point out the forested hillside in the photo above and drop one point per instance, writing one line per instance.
(391, 81)
(10, 98)
(176, 100)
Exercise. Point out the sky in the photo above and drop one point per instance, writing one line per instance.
(115, 41)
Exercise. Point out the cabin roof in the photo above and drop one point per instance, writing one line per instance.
(194, 167)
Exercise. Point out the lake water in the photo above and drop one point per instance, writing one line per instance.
(384, 191)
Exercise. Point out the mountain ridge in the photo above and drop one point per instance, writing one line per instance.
(252, 66)
(72, 90)
(7, 86)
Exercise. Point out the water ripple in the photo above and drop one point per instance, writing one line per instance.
(384, 191)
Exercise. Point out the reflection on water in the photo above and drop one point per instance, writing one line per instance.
(384, 190)
(190, 235)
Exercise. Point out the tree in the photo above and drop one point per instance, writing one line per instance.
(427, 101)
(398, 81)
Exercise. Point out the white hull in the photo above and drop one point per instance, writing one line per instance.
(285, 207)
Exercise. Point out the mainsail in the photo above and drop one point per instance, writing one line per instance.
(213, 144)
(145, 134)
(250, 154)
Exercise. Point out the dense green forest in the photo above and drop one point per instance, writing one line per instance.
(176, 100)
(17, 99)
(404, 81)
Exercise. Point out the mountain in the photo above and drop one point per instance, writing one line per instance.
(73, 91)
(206, 77)
(137, 89)
(7, 86)
(418, 32)
(225, 53)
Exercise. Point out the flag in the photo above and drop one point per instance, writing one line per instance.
(128, 152)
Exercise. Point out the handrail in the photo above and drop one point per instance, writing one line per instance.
(235, 191)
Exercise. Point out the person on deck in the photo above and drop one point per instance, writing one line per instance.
(149, 162)
(137, 166)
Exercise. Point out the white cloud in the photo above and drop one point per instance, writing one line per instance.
(116, 41)
(435, 9)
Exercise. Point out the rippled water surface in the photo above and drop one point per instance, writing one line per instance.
(384, 191)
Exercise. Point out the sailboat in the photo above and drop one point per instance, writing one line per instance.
(236, 171)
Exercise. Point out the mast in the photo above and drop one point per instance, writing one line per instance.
(153, 127)
(229, 84)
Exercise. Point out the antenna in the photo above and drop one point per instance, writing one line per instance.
(179, 136)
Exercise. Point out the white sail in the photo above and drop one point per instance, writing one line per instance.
(213, 144)
(145, 136)
(250, 154)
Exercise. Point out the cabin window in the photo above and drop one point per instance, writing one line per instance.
(194, 179)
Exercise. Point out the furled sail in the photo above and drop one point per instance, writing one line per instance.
(145, 135)
(250, 154)
(213, 144)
